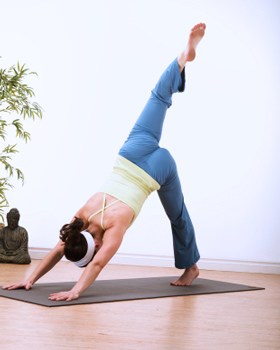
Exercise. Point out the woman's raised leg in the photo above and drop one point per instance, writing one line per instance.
(146, 133)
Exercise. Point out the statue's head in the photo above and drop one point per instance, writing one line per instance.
(13, 218)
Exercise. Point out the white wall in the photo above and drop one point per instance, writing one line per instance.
(97, 62)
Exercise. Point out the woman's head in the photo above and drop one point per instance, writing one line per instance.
(79, 247)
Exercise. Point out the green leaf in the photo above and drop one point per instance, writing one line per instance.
(15, 98)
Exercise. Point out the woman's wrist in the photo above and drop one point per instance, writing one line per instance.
(77, 290)
(31, 280)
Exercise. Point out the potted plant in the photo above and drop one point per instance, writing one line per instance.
(15, 99)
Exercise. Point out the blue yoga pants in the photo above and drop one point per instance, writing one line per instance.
(142, 148)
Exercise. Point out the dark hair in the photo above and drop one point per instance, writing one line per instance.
(75, 243)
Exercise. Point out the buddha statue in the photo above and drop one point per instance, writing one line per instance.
(14, 241)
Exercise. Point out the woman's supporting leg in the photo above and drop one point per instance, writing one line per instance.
(184, 243)
(164, 171)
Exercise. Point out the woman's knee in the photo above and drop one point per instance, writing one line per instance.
(139, 144)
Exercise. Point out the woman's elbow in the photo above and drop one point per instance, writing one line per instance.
(98, 264)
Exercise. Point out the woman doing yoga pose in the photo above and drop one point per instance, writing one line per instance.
(96, 232)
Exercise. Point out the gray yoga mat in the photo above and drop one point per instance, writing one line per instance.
(122, 289)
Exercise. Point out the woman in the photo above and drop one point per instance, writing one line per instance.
(97, 230)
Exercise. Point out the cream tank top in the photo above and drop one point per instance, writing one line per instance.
(129, 184)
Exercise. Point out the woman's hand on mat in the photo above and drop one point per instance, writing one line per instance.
(68, 296)
(27, 285)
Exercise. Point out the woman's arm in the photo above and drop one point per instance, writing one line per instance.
(111, 242)
(49, 261)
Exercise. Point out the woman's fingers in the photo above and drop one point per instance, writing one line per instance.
(13, 286)
(68, 296)
(26, 285)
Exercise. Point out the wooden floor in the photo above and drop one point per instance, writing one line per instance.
(245, 320)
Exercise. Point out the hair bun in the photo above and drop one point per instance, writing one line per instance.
(77, 224)
(72, 231)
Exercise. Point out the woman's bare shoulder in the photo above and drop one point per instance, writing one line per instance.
(90, 206)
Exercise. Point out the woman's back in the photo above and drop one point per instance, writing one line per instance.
(115, 213)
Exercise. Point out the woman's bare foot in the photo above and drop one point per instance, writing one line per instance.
(188, 54)
(187, 277)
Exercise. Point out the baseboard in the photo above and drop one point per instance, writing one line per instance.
(167, 261)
